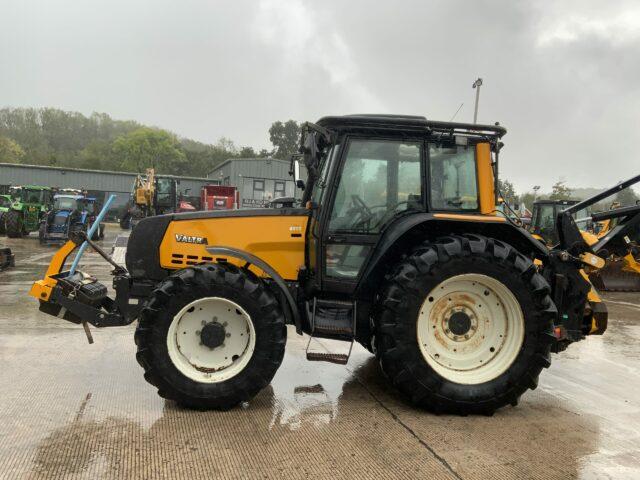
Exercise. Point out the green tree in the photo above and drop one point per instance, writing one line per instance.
(560, 191)
(508, 192)
(247, 152)
(526, 199)
(10, 151)
(627, 197)
(98, 155)
(150, 148)
(285, 138)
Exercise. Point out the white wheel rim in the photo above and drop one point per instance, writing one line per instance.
(495, 331)
(199, 362)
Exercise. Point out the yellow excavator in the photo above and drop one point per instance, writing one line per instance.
(153, 195)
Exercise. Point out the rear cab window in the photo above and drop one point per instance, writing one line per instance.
(453, 177)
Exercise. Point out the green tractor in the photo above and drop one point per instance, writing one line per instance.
(28, 204)
(5, 204)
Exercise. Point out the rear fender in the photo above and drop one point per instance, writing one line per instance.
(411, 230)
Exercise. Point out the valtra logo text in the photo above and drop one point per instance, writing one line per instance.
(189, 239)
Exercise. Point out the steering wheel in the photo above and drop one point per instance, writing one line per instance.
(359, 212)
(355, 198)
(389, 214)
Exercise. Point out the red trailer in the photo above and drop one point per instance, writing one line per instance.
(219, 197)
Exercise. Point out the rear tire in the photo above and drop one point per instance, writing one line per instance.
(42, 232)
(14, 224)
(165, 319)
(439, 367)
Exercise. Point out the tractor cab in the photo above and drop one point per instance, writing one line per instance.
(367, 175)
(545, 213)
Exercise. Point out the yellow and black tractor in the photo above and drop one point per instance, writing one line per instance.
(398, 247)
(620, 249)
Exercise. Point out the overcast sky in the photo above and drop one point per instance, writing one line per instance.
(562, 76)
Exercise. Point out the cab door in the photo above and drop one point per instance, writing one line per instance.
(319, 203)
(376, 181)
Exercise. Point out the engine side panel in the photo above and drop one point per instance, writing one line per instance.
(276, 239)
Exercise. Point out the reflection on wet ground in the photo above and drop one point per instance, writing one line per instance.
(73, 410)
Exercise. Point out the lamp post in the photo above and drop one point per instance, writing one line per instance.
(477, 84)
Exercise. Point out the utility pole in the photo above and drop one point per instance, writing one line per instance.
(477, 84)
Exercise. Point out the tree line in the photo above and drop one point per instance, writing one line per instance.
(49, 136)
(560, 191)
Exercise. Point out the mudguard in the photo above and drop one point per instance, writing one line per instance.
(401, 235)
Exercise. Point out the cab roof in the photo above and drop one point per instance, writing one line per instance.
(68, 195)
(407, 123)
(31, 187)
(546, 201)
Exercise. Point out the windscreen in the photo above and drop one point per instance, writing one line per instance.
(64, 203)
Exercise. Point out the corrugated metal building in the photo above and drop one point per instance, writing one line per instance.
(99, 183)
(259, 180)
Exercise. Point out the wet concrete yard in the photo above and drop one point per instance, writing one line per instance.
(73, 410)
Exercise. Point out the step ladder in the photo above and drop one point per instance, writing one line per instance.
(334, 320)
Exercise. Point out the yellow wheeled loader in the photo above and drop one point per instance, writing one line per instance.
(398, 247)
(620, 250)
(619, 244)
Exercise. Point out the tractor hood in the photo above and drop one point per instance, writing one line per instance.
(143, 249)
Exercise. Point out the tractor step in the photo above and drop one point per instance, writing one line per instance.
(334, 320)
(339, 358)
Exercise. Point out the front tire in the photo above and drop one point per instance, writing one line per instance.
(441, 348)
(211, 336)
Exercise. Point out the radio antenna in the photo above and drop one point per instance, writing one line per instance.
(454, 115)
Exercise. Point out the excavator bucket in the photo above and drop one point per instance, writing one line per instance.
(619, 275)
(7, 258)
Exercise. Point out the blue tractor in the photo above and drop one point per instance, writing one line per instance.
(71, 213)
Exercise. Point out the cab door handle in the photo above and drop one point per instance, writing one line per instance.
(336, 239)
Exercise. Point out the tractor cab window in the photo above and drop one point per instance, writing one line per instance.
(64, 203)
(321, 183)
(32, 196)
(380, 179)
(86, 206)
(546, 217)
(163, 192)
(453, 177)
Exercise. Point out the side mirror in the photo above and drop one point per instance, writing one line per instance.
(296, 175)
